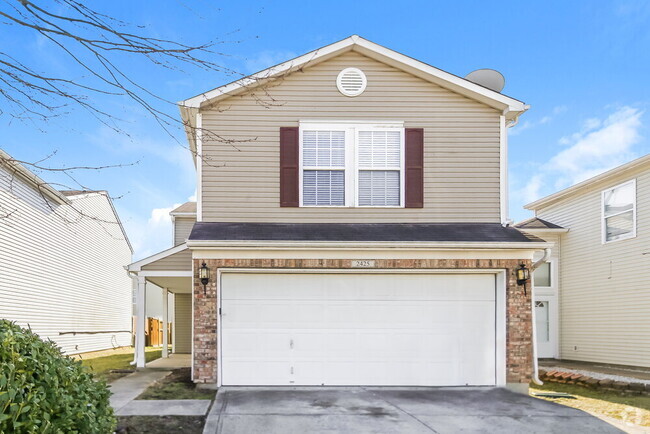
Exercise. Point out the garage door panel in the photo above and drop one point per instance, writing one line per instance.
(272, 373)
(305, 286)
(358, 329)
(257, 343)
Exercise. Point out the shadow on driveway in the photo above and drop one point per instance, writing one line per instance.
(392, 410)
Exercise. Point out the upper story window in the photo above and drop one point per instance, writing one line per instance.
(353, 165)
(619, 212)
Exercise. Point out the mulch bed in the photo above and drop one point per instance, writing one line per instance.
(177, 385)
(160, 424)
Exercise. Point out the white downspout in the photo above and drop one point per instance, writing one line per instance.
(536, 380)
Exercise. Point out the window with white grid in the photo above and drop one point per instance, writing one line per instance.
(380, 163)
(619, 212)
(352, 165)
(323, 168)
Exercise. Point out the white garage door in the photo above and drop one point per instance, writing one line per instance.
(358, 329)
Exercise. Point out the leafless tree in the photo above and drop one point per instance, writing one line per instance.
(99, 45)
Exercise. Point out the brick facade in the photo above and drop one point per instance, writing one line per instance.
(518, 306)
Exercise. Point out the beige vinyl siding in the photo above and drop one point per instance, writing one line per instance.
(604, 288)
(61, 272)
(183, 323)
(181, 261)
(182, 228)
(461, 174)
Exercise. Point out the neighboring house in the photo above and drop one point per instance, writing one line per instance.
(352, 214)
(62, 256)
(593, 297)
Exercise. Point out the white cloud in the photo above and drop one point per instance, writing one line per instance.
(266, 59)
(604, 145)
(557, 110)
(599, 145)
(151, 234)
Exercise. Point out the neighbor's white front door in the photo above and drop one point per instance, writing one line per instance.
(546, 310)
(358, 329)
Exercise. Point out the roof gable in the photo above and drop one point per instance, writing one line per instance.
(536, 223)
(511, 107)
(640, 164)
(31, 178)
(374, 51)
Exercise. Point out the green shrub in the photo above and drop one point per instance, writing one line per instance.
(44, 391)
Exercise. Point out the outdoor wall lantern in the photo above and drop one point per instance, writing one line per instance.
(523, 274)
(204, 275)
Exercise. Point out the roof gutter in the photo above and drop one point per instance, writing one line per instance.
(369, 245)
(544, 258)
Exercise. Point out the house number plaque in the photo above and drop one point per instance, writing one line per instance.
(362, 263)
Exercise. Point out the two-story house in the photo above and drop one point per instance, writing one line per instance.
(351, 228)
(593, 295)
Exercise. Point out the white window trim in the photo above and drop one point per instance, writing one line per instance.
(351, 129)
(602, 213)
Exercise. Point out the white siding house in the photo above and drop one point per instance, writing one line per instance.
(62, 258)
(601, 266)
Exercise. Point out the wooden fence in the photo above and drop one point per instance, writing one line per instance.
(153, 334)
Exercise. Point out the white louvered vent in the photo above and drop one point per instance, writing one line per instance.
(351, 82)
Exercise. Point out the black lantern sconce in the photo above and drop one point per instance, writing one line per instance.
(204, 275)
(523, 275)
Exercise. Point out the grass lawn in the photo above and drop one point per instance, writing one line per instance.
(103, 362)
(177, 385)
(629, 409)
(160, 424)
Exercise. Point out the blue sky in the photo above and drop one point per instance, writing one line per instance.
(583, 66)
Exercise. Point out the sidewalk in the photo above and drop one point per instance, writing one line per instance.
(126, 389)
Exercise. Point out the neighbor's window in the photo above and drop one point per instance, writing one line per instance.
(619, 212)
(352, 165)
(542, 275)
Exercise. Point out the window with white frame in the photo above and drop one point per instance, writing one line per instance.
(352, 165)
(323, 167)
(619, 212)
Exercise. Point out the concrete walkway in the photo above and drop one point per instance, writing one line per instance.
(174, 361)
(126, 389)
(166, 407)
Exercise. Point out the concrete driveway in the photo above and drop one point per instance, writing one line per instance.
(391, 410)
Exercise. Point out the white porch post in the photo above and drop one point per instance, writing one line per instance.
(165, 349)
(174, 323)
(141, 321)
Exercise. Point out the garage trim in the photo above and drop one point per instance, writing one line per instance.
(500, 302)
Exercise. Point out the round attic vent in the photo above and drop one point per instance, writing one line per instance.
(351, 82)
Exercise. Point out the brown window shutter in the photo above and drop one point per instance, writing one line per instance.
(414, 176)
(289, 155)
